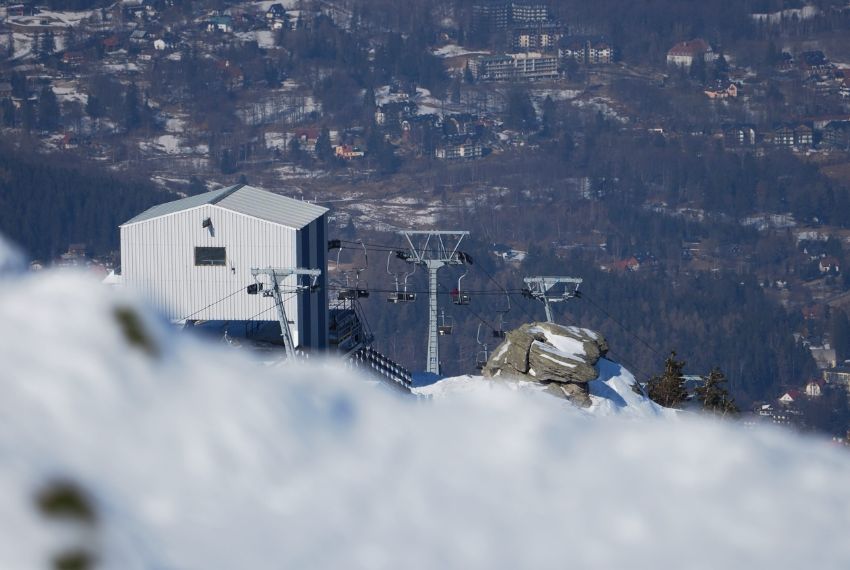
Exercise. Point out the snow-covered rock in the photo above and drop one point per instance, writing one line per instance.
(560, 357)
(195, 457)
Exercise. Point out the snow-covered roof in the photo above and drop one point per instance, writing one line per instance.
(246, 200)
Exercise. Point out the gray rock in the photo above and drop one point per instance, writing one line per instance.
(565, 362)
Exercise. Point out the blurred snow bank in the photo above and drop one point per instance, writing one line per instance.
(196, 458)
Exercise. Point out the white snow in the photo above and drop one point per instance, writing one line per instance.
(69, 92)
(454, 50)
(172, 144)
(264, 5)
(265, 39)
(175, 125)
(611, 393)
(196, 457)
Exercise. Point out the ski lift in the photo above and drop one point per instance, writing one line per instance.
(446, 325)
(459, 296)
(482, 356)
(352, 293)
(500, 331)
(400, 295)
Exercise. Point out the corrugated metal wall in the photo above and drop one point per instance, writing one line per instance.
(158, 260)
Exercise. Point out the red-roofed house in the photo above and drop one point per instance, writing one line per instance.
(829, 265)
(790, 397)
(630, 264)
(683, 53)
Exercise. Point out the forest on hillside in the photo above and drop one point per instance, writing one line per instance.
(49, 202)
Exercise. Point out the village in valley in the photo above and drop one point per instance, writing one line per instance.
(487, 114)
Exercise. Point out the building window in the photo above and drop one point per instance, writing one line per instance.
(209, 256)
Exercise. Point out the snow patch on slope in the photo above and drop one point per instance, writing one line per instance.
(611, 393)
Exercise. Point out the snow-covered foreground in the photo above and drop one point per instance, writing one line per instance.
(197, 458)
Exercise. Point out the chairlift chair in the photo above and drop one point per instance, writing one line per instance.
(349, 293)
(482, 356)
(500, 331)
(459, 296)
(400, 295)
(481, 359)
(446, 325)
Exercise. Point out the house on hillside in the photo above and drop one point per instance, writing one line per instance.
(740, 135)
(837, 376)
(348, 152)
(219, 24)
(683, 54)
(587, 50)
(192, 258)
(722, 90)
(459, 147)
(813, 63)
(789, 397)
(829, 265)
(528, 65)
(815, 388)
(628, 264)
(836, 135)
(540, 37)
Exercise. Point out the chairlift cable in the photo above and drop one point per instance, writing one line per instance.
(241, 289)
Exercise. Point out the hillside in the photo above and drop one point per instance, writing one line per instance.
(171, 453)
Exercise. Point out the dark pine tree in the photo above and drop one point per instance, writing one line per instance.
(550, 118)
(324, 150)
(48, 110)
(520, 113)
(7, 111)
(28, 115)
(714, 395)
(839, 333)
(668, 389)
(19, 85)
(94, 107)
(467, 74)
(132, 108)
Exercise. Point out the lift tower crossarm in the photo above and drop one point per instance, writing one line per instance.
(277, 274)
(439, 248)
(539, 287)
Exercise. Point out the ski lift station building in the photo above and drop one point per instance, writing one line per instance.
(192, 258)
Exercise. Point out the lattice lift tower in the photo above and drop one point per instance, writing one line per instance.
(539, 288)
(435, 250)
(276, 275)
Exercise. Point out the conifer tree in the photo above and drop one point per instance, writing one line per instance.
(455, 95)
(28, 115)
(132, 108)
(714, 395)
(7, 110)
(467, 74)
(324, 150)
(668, 389)
(48, 109)
(839, 333)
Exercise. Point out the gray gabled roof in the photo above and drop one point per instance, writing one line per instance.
(246, 200)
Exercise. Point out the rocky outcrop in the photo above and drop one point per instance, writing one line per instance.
(562, 358)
